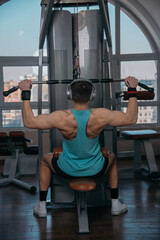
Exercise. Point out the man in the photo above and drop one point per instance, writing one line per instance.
(80, 128)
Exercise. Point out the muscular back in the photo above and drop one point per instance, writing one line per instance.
(68, 126)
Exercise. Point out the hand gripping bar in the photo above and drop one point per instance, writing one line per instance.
(66, 81)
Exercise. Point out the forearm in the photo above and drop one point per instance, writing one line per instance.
(132, 110)
(27, 114)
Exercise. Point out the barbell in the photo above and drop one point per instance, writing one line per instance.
(67, 81)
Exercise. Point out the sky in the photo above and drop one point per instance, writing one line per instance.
(20, 28)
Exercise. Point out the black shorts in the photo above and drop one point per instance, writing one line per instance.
(66, 176)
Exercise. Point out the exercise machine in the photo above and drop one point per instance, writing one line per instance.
(12, 147)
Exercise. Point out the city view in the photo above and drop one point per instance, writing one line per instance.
(13, 118)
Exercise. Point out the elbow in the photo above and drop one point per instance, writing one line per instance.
(135, 117)
(28, 124)
(133, 120)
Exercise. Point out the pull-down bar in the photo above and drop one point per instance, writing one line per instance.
(66, 81)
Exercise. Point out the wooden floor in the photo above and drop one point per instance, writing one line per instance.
(142, 221)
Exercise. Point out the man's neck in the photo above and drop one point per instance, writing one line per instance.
(78, 106)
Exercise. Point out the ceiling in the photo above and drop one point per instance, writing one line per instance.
(148, 13)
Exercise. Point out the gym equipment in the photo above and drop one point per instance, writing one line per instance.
(66, 81)
(5, 149)
(141, 95)
(14, 144)
(82, 187)
(144, 137)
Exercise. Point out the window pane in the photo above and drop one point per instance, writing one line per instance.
(12, 75)
(12, 118)
(132, 38)
(19, 27)
(146, 114)
(144, 71)
(45, 111)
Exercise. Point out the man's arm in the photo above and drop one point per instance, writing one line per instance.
(42, 121)
(118, 118)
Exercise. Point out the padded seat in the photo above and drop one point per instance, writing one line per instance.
(82, 184)
(57, 151)
(31, 150)
(141, 134)
(5, 150)
(18, 140)
(144, 137)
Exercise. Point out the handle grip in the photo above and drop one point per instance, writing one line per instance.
(6, 93)
(151, 90)
(141, 95)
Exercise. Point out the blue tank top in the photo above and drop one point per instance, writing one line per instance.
(81, 156)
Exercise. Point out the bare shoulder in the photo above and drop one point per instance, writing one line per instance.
(100, 116)
(58, 117)
(98, 112)
(95, 116)
(62, 113)
(64, 118)
(66, 123)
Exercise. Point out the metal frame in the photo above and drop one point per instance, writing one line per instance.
(13, 175)
(71, 3)
(83, 223)
(105, 19)
(45, 17)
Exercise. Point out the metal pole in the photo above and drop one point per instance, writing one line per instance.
(105, 19)
(45, 22)
(40, 134)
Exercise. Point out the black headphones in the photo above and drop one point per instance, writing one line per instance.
(69, 90)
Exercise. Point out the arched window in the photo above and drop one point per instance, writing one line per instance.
(132, 39)
(135, 55)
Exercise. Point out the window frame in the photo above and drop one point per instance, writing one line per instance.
(118, 58)
(17, 62)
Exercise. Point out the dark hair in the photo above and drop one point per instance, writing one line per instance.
(81, 91)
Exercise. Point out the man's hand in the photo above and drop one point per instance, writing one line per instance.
(131, 82)
(25, 85)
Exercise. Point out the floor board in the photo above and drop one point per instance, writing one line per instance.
(142, 221)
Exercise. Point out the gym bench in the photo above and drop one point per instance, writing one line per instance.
(13, 146)
(81, 187)
(144, 137)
